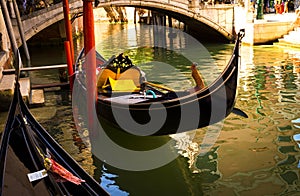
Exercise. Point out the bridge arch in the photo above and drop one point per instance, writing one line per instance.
(200, 26)
(204, 24)
(42, 19)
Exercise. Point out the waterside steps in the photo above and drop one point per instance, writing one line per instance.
(292, 39)
(32, 94)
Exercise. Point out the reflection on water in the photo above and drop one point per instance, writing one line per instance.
(296, 137)
(257, 155)
(108, 183)
(254, 156)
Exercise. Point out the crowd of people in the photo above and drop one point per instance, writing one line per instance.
(29, 6)
(280, 6)
(270, 6)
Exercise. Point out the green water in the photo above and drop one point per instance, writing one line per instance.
(253, 156)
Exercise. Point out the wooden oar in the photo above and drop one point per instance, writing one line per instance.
(159, 86)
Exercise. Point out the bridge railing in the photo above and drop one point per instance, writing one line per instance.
(177, 3)
(27, 7)
(222, 14)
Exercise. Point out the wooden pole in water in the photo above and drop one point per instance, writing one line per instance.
(68, 27)
(90, 57)
(21, 31)
(70, 63)
(170, 21)
(148, 17)
(9, 27)
(134, 16)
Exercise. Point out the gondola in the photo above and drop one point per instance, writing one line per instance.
(127, 101)
(33, 163)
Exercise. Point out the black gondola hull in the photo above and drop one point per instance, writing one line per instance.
(24, 145)
(183, 114)
(174, 112)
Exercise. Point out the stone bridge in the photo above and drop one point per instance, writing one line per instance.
(39, 20)
(215, 21)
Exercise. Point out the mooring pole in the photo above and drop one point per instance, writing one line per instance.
(134, 18)
(170, 21)
(68, 27)
(9, 27)
(69, 46)
(21, 31)
(90, 58)
(69, 63)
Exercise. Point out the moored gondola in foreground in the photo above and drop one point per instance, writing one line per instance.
(33, 163)
(128, 101)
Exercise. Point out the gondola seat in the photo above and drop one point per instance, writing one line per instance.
(119, 77)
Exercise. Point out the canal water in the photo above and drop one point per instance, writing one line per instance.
(258, 155)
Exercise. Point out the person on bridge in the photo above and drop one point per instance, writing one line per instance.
(286, 6)
(277, 7)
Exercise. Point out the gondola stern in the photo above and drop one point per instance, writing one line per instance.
(22, 126)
